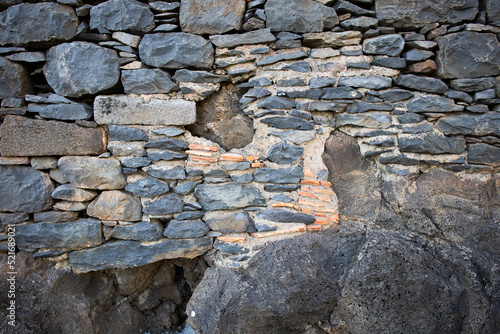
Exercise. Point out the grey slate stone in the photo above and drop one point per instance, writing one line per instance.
(147, 81)
(470, 125)
(81, 68)
(396, 95)
(322, 82)
(279, 176)
(253, 37)
(493, 12)
(390, 45)
(399, 159)
(348, 7)
(425, 84)
(166, 172)
(472, 84)
(297, 137)
(189, 215)
(410, 118)
(313, 94)
(124, 133)
(267, 60)
(62, 111)
(129, 253)
(391, 62)
(92, 172)
(28, 57)
(166, 155)
(285, 216)
(135, 162)
(163, 6)
(230, 247)
(185, 75)
(24, 189)
(186, 187)
(115, 205)
(185, 229)
(260, 82)
(14, 80)
(361, 107)
(291, 83)
(341, 93)
(244, 165)
(282, 198)
(433, 103)
(13, 218)
(238, 222)
(54, 23)
(458, 96)
(69, 193)
(176, 50)
(484, 154)
(244, 178)
(147, 187)
(361, 23)
(280, 188)
(143, 231)
(414, 55)
(73, 235)
(303, 16)
(168, 143)
(167, 204)
(370, 82)
(478, 108)
(257, 93)
(300, 66)
(276, 102)
(169, 131)
(284, 154)
(288, 123)
(421, 128)
(122, 15)
(432, 144)
(228, 196)
(367, 120)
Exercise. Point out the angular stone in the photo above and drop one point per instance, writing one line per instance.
(280, 188)
(166, 172)
(147, 81)
(81, 68)
(28, 57)
(425, 84)
(244, 178)
(303, 16)
(176, 50)
(267, 60)
(291, 83)
(284, 154)
(478, 108)
(396, 95)
(93, 173)
(127, 39)
(370, 82)
(347, 7)
(211, 17)
(70, 206)
(367, 120)
(54, 23)
(123, 110)
(62, 111)
(420, 13)
(147, 187)
(169, 131)
(186, 188)
(414, 55)
(313, 94)
(14, 80)
(257, 93)
(77, 234)
(185, 229)
(276, 102)
(390, 45)
(230, 247)
(391, 62)
(24, 189)
(472, 85)
(129, 254)
(458, 96)
(410, 118)
(341, 93)
(288, 123)
(296, 137)
(116, 205)
(361, 23)
(432, 144)
(165, 205)
(360, 107)
(244, 165)
(470, 125)
(468, 55)
(238, 222)
(69, 193)
(228, 196)
(123, 133)
(168, 143)
(332, 39)
(484, 154)
(253, 37)
(55, 216)
(493, 12)
(13, 218)
(185, 75)
(322, 82)
(189, 215)
(166, 155)
(135, 162)
(280, 176)
(122, 15)
(143, 231)
(421, 128)
(433, 103)
(285, 216)
(128, 149)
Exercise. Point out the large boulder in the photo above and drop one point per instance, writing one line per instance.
(122, 15)
(14, 80)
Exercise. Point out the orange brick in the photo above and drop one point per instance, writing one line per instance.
(312, 182)
(304, 188)
(323, 191)
(325, 199)
(308, 172)
(229, 238)
(294, 229)
(334, 218)
(196, 164)
(232, 157)
(200, 153)
(326, 210)
(317, 205)
(321, 215)
(251, 158)
(306, 211)
(258, 165)
(326, 183)
(203, 147)
(204, 159)
(286, 205)
(301, 193)
(314, 228)
(321, 222)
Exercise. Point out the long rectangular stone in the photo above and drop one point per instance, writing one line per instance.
(125, 110)
(24, 137)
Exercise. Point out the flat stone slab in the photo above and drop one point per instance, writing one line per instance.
(24, 137)
(228, 196)
(124, 110)
(128, 254)
(14, 80)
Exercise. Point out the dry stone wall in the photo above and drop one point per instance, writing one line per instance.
(134, 132)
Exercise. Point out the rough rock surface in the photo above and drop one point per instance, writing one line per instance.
(14, 80)
(228, 196)
(115, 205)
(92, 173)
(147, 81)
(122, 15)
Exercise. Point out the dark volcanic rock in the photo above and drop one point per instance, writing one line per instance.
(14, 80)
(493, 12)
(341, 93)
(198, 76)
(390, 45)
(433, 103)
(280, 188)
(168, 143)
(55, 216)
(391, 62)
(81, 68)
(228, 196)
(276, 102)
(176, 50)
(122, 15)
(472, 125)
(468, 55)
(63, 111)
(302, 16)
(370, 82)
(249, 38)
(185, 229)
(147, 187)
(472, 85)
(281, 176)
(425, 84)
(284, 154)
(124, 133)
(238, 222)
(92, 172)
(288, 123)
(211, 17)
(484, 154)
(143, 231)
(432, 144)
(395, 95)
(147, 81)
(166, 172)
(37, 24)
(170, 203)
(360, 107)
(285, 216)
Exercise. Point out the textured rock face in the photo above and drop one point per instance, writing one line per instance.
(14, 80)
(211, 17)
(54, 23)
(416, 14)
(122, 15)
(81, 68)
(115, 205)
(390, 45)
(147, 81)
(228, 196)
(92, 173)
(303, 16)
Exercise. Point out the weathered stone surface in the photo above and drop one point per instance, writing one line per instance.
(143, 231)
(472, 85)
(493, 12)
(288, 123)
(166, 172)
(123, 110)
(425, 84)
(228, 196)
(332, 39)
(248, 38)
(176, 50)
(81, 68)
(238, 222)
(296, 137)
(211, 17)
(169, 131)
(186, 187)
(390, 45)
(391, 62)
(166, 155)
(484, 154)
(147, 187)
(147, 81)
(395, 95)
(340, 93)
(62, 111)
(70, 206)
(167, 204)
(415, 55)
(368, 120)
(13, 218)
(24, 189)
(433, 103)
(77, 234)
(92, 173)
(128, 149)
(69, 193)
(432, 144)
(276, 102)
(189, 215)
(280, 176)
(468, 55)
(27, 57)
(361, 23)
(370, 82)
(115, 205)
(472, 125)
(285, 216)
(122, 15)
(185, 229)
(123, 133)
(284, 154)
(361, 107)
(267, 60)
(418, 14)
(304, 16)
(230, 247)
(14, 80)
(130, 254)
(54, 23)
(168, 143)
(135, 162)
(55, 216)
(185, 75)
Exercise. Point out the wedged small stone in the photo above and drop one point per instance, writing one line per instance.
(69, 193)
(228, 196)
(361, 107)
(369, 82)
(414, 55)
(390, 62)
(147, 81)
(143, 231)
(176, 50)
(189, 215)
(13, 218)
(387, 142)
(238, 222)
(280, 176)
(122, 15)
(184, 229)
(166, 155)
(257, 93)
(390, 45)
(62, 111)
(167, 204)
(276, 102)
(127, 39)
(71, 206)
(244, 165)
(361, 23)
(166, 172)
(458, 96)
(185, 75)
(323, 53)
(433, 103)
(424, 67)
(485, 96)
(300, 66)
(288, 123)
(166, 27)
(332, 39)
(399, 159)
(135, 162)
(14, 80)
(362, 65)
(261, 36)
(425, 84)
(124, 133)
(375, 121)
(169, 131)
(395, 95)
(348, 7)
(147, 187)
(186, 187)
(301, 114)
(230, 247)
(472, 84)
(74, 235)
(212, 17)
(284, 154)
(322, 82)
(280, 188)
(267, 60)
(130, 253)
(28, 57)
(285, 216)
(14, 161)
(291, 83)
(168, 143)
(260, 82)
(470, 125)
(313, 94)
(484, 154)
(296, 137)
(321, 106)
(12, 102)
(116, 205)
(421, 128)
(410, 118)
(432, 144)
(55, 216)
(478, 108)
(341, 93)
